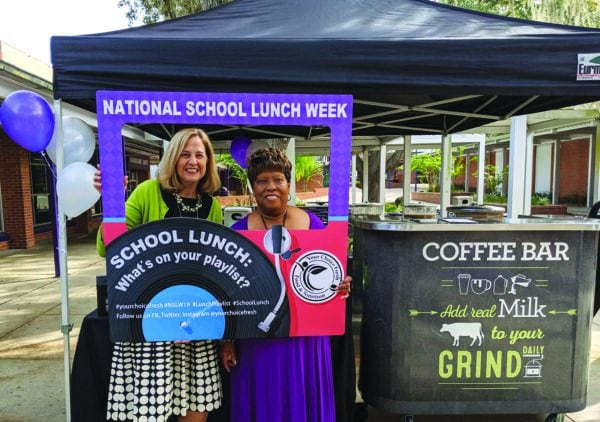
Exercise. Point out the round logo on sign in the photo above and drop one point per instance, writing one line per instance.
(315, 276)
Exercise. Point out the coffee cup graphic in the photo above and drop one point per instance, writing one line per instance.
(480, 285)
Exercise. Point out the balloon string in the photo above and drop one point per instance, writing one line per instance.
(49, 163)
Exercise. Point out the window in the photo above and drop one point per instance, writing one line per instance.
(40, 190)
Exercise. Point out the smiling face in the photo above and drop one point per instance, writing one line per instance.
(191, 164)
(271, 190)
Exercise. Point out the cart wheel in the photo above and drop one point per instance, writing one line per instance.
(555, 417)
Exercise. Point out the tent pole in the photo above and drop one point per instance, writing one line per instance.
(66, 326)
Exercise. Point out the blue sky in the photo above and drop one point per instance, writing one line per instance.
(29, 24)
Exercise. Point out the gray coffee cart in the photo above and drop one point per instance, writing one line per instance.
(488, 318)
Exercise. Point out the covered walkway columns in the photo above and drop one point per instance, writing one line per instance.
(407, 170)
(595, 156)
(408, 144)
(446, 175)
(520, 164)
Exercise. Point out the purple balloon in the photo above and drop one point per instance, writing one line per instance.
(28, 120)
(239, 146)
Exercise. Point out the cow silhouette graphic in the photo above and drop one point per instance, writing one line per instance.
(464, 329)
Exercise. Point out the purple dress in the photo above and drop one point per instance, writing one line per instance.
(283, 379)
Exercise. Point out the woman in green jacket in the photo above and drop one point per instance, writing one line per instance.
(151, 381)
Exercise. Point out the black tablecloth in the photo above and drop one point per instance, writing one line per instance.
(91, 373)
(344, 370)
(91, 370)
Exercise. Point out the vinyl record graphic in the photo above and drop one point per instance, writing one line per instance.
(202, 317)
(189, 279)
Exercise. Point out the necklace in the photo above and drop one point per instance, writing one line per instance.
(182, 206)
(262, 217)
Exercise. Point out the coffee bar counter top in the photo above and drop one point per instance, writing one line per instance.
(530, 223)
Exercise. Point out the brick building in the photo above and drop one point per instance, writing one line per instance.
(563, 164)
(27, 179)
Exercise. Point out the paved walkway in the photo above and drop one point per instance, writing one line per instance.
(32, 380)
(31, 344)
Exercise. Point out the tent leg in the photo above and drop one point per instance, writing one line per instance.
(66, 326)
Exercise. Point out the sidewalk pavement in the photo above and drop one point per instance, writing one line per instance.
(32, 374)
(32, 383)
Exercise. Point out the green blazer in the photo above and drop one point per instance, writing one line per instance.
(146, 204)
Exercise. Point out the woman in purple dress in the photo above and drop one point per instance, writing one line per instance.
(279, 379)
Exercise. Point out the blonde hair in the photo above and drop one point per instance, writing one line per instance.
(167, 168)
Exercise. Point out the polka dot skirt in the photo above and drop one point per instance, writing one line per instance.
(151, 381)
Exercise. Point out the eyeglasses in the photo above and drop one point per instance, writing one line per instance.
(264, 183)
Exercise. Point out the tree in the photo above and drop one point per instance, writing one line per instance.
(566, 12)
(569, 12)
(428, 165)
(392, 162)
(306, 168)
(237, 172)
(493, 178)
(517, 9)
(150, 11)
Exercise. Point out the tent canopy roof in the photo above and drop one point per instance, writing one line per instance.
(413, 66)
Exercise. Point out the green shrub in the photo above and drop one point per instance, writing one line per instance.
(495, 198)
(392, 207)
(541, 198)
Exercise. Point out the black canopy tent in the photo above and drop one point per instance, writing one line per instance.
(413, 66)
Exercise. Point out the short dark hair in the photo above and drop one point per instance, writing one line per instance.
(268, 159)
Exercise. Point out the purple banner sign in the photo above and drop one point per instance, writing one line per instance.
(116, 108)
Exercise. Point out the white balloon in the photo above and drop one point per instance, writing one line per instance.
(79, 141)
(254, 146)
(75, 189)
